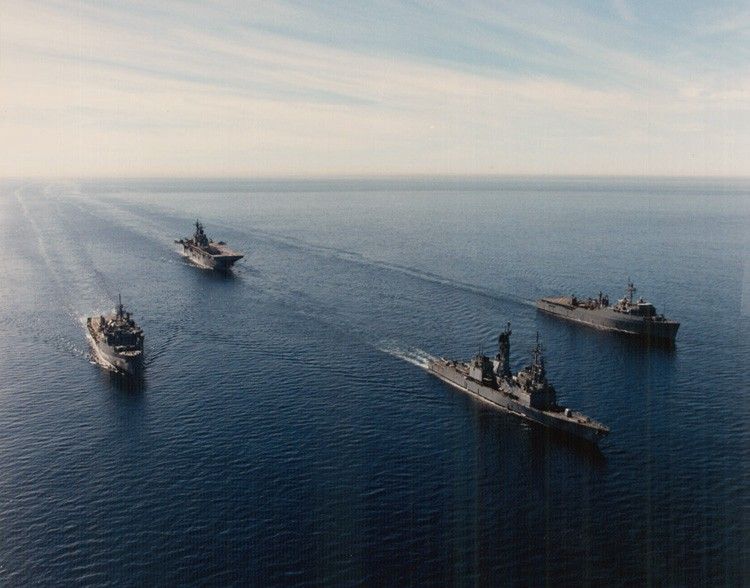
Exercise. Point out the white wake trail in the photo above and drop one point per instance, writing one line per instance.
(412, 355)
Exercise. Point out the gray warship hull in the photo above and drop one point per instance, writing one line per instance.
(569, 422)
(116, 340)
(127, 363)
(202, 251)
(608, 319)
(222, 260)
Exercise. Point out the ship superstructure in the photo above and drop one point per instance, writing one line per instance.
(117, 340)
(207, 253)
(527, 394)
(627, 316)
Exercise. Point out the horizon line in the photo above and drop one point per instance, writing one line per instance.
(363, 176)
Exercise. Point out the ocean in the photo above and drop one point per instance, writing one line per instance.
(284, 431)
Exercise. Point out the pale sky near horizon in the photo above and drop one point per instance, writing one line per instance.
(135, 88)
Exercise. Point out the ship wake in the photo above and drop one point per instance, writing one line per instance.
(412, 355)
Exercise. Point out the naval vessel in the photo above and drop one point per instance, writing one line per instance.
(207, 253)
(637, 318)
(117, 340)
(527, 394)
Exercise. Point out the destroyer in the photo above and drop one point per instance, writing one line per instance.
(116, 339)
(637, 318)
(210, 254)
(526, 394)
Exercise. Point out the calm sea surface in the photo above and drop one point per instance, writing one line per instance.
(284, 433)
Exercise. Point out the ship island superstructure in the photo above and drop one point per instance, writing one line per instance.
(638, 318)
(117, 340)
(527, 394)
(207, 253)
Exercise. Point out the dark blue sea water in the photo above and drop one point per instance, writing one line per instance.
(284, 433)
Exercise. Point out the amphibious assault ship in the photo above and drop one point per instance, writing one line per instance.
(117, 340)
(637, 318)
(209, 254)
(527, 394)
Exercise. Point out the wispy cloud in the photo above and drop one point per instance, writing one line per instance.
(623, 9)
(139, 88)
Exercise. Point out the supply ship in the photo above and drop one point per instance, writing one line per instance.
(527, 394)
(206, 253)
(637, 318)
(117, 340)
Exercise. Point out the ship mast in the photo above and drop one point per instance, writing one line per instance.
(538, 365)
(200, 236)
(631, 290)
(503, 353)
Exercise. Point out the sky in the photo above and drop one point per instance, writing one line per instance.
(346, 88)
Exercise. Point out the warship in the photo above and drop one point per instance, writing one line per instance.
(206, 253)
(117, 340)
(527, 394)
(636, 318)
